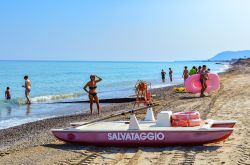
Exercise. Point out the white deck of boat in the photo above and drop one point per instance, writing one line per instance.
(144, 126)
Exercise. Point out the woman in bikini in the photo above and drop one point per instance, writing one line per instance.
(185, 73)
(92, 92)
(203, 79)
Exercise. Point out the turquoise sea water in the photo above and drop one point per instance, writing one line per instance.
(54, 81)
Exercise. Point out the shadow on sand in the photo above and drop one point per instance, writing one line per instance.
(192, 97)
(77, 148)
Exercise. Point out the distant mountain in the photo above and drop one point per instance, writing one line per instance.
(229, 55)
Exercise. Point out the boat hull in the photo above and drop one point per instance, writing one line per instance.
(223, 125)
(141, 138)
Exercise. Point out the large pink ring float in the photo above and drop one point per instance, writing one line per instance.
(193, 84)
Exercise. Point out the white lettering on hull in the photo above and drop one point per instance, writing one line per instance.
(128, 136)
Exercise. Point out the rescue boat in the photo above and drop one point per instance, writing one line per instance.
(149, 132)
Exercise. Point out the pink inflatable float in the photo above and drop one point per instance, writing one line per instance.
(193, 84)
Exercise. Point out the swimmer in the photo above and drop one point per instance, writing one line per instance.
(163, 73)
(7, 94)
(170, 74)
(27, 87)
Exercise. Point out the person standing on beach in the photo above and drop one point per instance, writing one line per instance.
(92, 92)
(203, 79)
(170, 74)
(163, 73)
(7, 94)
(185, 73)
(27, 87)
(192, 71)
(199, 69)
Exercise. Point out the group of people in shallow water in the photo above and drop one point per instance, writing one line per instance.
(163, 75)
(27, 87)
(203, 71)
(92, 92)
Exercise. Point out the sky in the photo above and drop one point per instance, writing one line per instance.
(122, 30)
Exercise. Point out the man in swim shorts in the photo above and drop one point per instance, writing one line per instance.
(171, 74)
(163, 73)
(27, 87)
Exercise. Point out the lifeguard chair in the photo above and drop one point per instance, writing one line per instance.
(143, 95)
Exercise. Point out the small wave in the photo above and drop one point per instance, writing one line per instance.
(223, 68)
(18, 101)
(41, 99)
(49, 98)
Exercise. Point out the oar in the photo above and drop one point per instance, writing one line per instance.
(116, 114)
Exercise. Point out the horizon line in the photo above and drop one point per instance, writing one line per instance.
(28, 60)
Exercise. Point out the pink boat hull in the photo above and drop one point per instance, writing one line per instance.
(144, 138)
(224, 125)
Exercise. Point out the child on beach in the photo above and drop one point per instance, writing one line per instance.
(7, 94)
(27, 87)
(171, 74)
(185, 73)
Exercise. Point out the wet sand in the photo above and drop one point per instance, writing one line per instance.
(33, 143)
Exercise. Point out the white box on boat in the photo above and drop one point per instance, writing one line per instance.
(164, 119)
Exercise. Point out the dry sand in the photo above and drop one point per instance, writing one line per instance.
(33, 143)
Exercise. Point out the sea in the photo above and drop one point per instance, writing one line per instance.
(57, 81)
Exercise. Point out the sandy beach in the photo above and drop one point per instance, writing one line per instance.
(33, 143)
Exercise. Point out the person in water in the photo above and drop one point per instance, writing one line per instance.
(203, 79)
(163, 73)
(185, 73)
(7, 94)
(27, 87)
(170, 74)
(92, 92)
(192, 71)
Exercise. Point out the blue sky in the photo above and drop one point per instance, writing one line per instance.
(148, 30)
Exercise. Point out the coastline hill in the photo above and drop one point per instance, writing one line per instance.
(231, 55)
